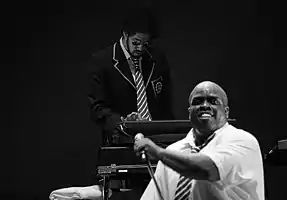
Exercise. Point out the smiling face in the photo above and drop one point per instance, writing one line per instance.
(208, 109)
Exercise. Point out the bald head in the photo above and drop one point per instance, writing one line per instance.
(208, 108)
(210, 87)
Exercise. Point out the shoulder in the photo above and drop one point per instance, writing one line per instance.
(236, 135)
(100, 59)
(241, 133)
(103, 53)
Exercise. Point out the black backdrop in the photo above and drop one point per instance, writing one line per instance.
(239, 45)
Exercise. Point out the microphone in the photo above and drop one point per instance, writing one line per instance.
(140, 136)
(146, 49)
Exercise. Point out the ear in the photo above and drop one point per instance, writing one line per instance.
(226, 109)
(125, 34)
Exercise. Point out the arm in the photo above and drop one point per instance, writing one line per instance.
(194, 165)
(100, 110)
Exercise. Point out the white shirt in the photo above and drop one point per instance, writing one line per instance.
(237, 155)
(128, 57)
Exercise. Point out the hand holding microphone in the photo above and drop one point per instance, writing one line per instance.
(146, 147)
(138, 137)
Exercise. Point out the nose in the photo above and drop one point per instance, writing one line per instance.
(139, 47)
(205, 105)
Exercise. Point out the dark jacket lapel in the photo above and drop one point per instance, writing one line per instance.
(148, 65)
(121, 64)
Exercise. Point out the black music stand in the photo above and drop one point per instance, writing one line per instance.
(162, 132)
(149, 128)
(159, 127)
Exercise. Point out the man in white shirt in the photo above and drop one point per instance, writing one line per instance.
(227, 167)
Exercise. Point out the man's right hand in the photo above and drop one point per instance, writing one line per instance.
(134, 116)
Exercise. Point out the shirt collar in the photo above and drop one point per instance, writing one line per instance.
(124, 49)
(190, 136)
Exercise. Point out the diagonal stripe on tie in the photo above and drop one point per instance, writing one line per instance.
(137, 77)
(183, 188)
(141, 94)
(143, 107)
(145, 113)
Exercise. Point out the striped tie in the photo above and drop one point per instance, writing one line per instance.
(141, 93)
(184, 184)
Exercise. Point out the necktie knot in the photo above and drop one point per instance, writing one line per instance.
(136, 62)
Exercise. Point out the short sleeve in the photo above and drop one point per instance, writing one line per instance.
(236, 157)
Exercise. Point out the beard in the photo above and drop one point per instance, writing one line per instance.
(137, 53)
(206, 125)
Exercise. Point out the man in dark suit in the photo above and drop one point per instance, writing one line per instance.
(117, 91)
(129, 80)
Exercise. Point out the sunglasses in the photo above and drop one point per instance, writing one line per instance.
(138, 43)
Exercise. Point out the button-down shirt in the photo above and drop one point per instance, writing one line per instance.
(237, 155)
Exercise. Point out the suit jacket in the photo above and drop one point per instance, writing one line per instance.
(113, 92)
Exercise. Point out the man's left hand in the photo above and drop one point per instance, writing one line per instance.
(151, 149)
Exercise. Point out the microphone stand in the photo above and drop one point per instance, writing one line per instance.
(151, 173)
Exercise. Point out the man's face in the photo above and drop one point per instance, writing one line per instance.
(137, 43)
(207, 111)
